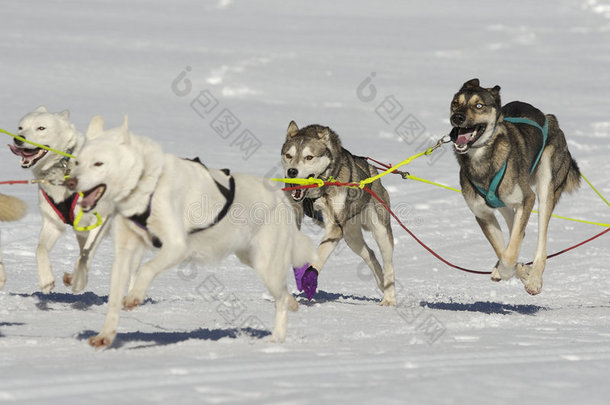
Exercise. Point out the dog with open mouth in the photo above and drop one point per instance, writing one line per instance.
(316, 151)
(509, 155)
(58, 205)
(183, 210)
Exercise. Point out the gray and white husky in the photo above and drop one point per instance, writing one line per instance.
(316, 151)
(11, 209)
(58, 205)
(508, 155)
(185, 210)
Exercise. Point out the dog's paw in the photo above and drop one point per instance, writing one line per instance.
(2, 276)
(298, 275)
(388, 301)
(47, 287)
(533, 285)
(79, 281)
(277, 337)
(504, 271)
(523, 272)
(310, 282)
(130, 302)
(102, 340)
(495, 275)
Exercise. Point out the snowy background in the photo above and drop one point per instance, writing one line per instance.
(454, 338)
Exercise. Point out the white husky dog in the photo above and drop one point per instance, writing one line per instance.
(11, 209)
(58, 204)
(186, 211)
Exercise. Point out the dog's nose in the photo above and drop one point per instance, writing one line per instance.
(458, 118)
(71, 183)
(292, 172)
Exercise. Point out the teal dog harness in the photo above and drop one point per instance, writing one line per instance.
(491, 195)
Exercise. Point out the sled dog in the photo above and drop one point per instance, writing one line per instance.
(186, 211)
(56, 203)
(508, 156)
(316, 151)
(11, 209)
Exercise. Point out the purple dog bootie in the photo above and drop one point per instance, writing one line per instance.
(310, 282)
(298, 275)
(307, 279)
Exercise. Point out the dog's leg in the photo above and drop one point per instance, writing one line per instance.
(125, 242)
(509, 217)
(271, 266)
(382, 232)
(355, 240)
(88, 245)
(492, 231)
(283, 304)
(546, 203)
(173, 252)
(332, 236)
(136, 260)
(69, 277)
(2, 273)
(508, 263)
(49, 234)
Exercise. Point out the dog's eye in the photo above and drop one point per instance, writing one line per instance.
(308, 157)
(288, 156)
(98, 164)
(76, 163)
(41, 128)
(479, 106)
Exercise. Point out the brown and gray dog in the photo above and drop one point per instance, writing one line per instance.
(316, 151)
(508, 156)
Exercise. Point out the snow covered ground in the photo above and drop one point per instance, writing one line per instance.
(454, 338)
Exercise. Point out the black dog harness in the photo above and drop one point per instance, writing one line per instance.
(63, 209)
(309, 211)
(229, 194)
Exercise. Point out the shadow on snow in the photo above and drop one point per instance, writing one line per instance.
(81, 302)
(323, 296)
(485, 307)
(168, 338)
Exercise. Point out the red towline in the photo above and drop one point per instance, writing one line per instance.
(374, 195)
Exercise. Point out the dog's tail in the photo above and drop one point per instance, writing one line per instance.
(573, 179)
(11, 208)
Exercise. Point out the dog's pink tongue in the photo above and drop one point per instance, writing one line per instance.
(463, 139)
(88, 200)
(16, 150)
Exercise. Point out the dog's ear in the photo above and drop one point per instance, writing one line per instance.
(125, 124)
(96, 127)
(125, 138)
(292, 130)
(41, 109)
(495, 92)
(471, 84)
(64, 114)
(324, 134)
